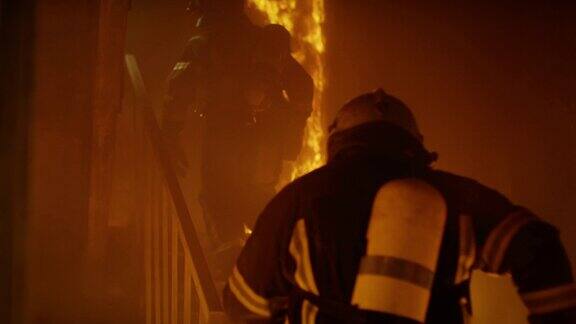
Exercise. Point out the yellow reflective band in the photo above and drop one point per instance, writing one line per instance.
(295, 249)
(397, 268)
(181, 66)
(550, 300)
(299, 250)
(392, 296)
(466, 247)
(246, 296)
(309, 311)
(499, 239)
(304, 274)
(195, 38)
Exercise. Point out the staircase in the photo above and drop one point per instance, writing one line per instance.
(178, 284)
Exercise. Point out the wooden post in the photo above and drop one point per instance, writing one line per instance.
(17, 23)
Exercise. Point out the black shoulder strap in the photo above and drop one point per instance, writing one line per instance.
(343, 311)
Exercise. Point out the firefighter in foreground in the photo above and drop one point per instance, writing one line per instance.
(253, 99)
(378, 236)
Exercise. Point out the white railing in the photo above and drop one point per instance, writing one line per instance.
(172, 284)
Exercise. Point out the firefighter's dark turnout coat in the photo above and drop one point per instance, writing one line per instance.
(313, 235)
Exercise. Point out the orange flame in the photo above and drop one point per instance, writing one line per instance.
(304, 19)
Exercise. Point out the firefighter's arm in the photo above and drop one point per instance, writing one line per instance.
(257, 285)
(299, 90)
(511, 239)
(183, 86)
(531, 251)
(299, 87)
